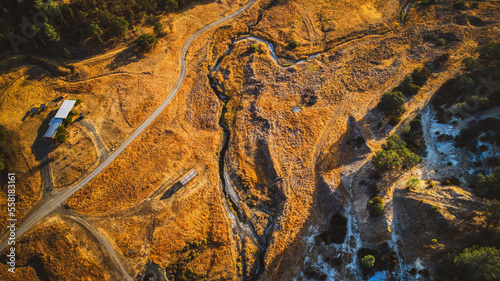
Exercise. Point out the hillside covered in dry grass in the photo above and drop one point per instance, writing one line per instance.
(334, 140)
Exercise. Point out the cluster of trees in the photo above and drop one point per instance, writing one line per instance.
(394, 155)
(5, 148)
(472, 264)
(392, 104)
(461, 91)
(414, 81)
(61, 134)
(413, 136)
(41, 22)
(488, 186)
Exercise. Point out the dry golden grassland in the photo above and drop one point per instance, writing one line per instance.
(59, 250)
(268, 140)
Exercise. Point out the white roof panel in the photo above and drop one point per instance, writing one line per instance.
(65, 109)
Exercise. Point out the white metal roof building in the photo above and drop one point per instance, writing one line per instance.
(57, 120)
(53, 125)
(65, 109)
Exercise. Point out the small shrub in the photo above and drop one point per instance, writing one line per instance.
(253, 48)
(435, 209)
(413, 183)
(406, 130)
(67, 53)
(368, 261)
(469, 64)
(460, 5)
(77, 102)
(441, 60)
(159, 28)
(376, 206)
(394, 121)
(411, 89)
(441, 42)
(293, 44)
(434, 241)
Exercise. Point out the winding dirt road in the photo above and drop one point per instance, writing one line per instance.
(42, 211)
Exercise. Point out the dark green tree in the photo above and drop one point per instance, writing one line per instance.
(386, 160)
(120, 26)
(421, 75)
(392, 103)
(375, 206)
(159, 28)
(469, 64)
(95, 31)
(492, 210)
(478, 264)
(293, 44)
(147, 42)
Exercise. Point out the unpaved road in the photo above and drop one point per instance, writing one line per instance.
(59, 198)
(109, 249)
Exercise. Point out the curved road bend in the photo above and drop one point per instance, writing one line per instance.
(110, 252)
(61, 197)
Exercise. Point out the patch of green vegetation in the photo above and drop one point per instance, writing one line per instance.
(472, 264)
(61, 135)
(70, 117)
(293, 44)
(394, 155)
(441, 60)
(469, 64)
(420, 75)
(435, 209)
(441, 42)
(392, 104)
(413, 183)
(375, 206)
(254, 48)
(159, 28)
(76, 21)
(147, 42)
(368, 261)
(488, 186)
